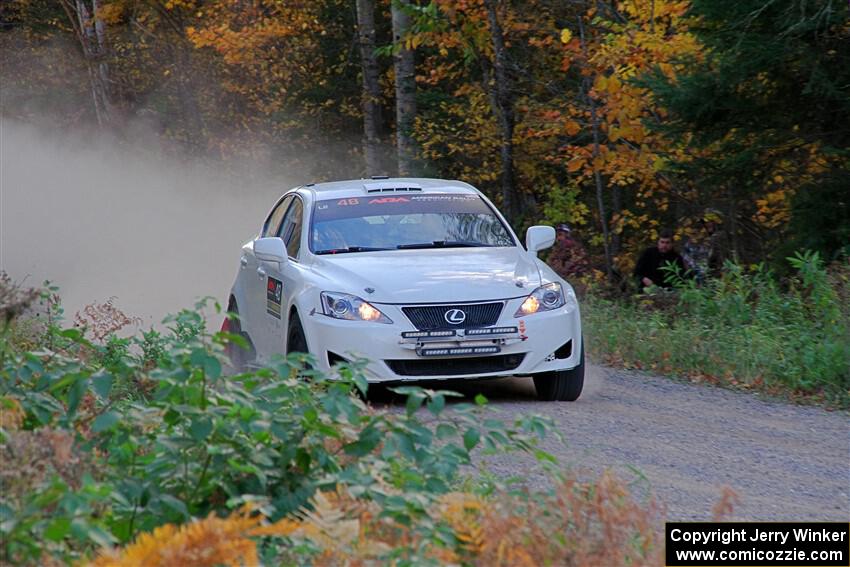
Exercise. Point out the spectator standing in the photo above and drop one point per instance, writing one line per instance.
(648, 270)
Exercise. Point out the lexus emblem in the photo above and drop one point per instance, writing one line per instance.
(455, 316)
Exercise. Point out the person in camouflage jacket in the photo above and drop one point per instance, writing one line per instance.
(568, 258)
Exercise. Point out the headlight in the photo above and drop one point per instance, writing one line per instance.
(351, 307)
(545, 298)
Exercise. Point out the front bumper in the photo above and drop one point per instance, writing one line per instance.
(521, 346)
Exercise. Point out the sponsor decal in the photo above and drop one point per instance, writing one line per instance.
(274, 293)
(386, 200)
(444, 197)
(522, 334)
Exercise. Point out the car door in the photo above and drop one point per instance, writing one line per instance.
(282, 279)
(254, 313)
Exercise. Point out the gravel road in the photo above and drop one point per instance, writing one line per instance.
(786, 462)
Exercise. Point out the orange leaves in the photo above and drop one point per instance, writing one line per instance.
(211, 541)
(576, 164)
(572, 127)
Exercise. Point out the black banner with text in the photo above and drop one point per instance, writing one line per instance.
(762, 544)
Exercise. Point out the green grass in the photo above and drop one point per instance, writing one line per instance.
(744, 329)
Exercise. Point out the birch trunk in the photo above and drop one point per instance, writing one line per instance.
(91, 33)
(405, 91)
(371, 95)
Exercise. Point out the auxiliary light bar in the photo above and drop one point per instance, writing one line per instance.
(458, 350)
(427, 334)
(491, 331)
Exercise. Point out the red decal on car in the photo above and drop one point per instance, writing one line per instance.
(385, 200)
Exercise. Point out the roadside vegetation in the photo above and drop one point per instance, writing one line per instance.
(127, 449)
(746, 329)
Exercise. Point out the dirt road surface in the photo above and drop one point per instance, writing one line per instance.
(786, 462)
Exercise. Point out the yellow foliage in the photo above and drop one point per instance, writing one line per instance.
(11, 414)
(211, 541)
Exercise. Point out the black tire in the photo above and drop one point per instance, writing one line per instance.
(561, 385)
(239, 357)
(296, 341)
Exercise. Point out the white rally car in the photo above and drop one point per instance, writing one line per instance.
(422, 277)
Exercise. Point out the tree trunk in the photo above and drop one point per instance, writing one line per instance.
(187, 94)
(502, 99)
(91, 33)
(597, 176)
(371, 96)
(405, 91)
(616, 208)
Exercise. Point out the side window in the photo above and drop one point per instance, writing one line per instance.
(290, 229)
(273, 222)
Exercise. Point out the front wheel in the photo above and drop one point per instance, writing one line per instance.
(561, 385)
(296, 341)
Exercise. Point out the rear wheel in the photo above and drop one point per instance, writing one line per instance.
(239, 357)
(561, 385)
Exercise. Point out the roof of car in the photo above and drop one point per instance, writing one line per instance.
(352, 187)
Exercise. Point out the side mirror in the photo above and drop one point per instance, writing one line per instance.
(539, 238)
(270, 249)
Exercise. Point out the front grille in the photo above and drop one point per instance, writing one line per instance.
(433, 317)
(456, 366)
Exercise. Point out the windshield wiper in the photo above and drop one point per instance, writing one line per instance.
(350, 249)
(443, 244)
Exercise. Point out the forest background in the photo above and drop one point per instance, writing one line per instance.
(618, 117)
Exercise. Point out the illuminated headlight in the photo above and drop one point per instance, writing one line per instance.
(351, 308)
(545, 298)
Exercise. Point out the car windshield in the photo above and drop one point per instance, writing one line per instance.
(436, 220)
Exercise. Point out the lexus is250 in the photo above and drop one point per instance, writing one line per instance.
(423, 278)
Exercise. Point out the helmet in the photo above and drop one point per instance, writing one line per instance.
(563, 227)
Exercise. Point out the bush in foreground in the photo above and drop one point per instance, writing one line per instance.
(119, 448)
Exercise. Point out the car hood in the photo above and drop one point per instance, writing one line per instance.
(432, 275)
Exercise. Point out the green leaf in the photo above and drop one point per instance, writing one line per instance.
(105, 421)
(437, 404)
(174, 504)
(76, 393)
(361, 383)
(212, 367)
(470, 438)
(101, 384)
(480, 399)
(444, 431)
(73, 334)
(368, 440)
(58, 529)
(200, 428)
(414, 401)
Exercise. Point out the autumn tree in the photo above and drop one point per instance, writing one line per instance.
(766, 116)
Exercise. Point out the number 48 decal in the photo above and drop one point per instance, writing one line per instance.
(344, 202)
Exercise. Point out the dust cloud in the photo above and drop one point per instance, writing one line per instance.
(102, 220)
